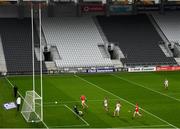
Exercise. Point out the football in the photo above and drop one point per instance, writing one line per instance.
(80, 112)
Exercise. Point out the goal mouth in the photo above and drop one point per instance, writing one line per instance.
(31, 109)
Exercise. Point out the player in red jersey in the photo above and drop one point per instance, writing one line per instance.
(83, 101)
(136, 111)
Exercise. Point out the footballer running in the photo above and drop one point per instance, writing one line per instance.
(83, 101)
(117, 108)
(105, 103)
(136, 112)
(166, 83)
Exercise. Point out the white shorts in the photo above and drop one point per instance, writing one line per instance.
(105, 105)
(83, 102)
(137, 112)
(117, 109)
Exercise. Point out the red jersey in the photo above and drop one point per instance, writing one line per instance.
(83, 98)
(137, 108)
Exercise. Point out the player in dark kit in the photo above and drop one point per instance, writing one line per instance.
(80, 113)
(76, 110)
(15, 91)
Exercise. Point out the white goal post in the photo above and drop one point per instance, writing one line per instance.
(31, 108)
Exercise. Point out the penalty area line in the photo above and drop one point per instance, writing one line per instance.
(70, 126)
(76, 101)
(124, 100)
(77, 115)
(23, 99)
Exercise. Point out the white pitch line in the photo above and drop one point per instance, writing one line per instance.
(24, 99)
(77, 115)
(60, 104)
(125, 100)
(54, 105)
(76, 101)
(13, 86)
(64, 126)
(137, 84)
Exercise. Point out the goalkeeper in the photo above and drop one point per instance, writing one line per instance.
(80, 113)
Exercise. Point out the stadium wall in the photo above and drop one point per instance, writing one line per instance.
(154, 69)
(168, 68)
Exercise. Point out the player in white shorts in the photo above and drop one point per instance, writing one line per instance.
(105, 104)
(83, 101)
(166, 83)
(136, 111)
(117, 108)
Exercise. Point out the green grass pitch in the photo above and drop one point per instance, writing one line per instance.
(160, 108)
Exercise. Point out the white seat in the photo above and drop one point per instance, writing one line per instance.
(77, 41)
(170, 25)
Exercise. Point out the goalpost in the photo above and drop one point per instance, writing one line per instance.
(32, 109)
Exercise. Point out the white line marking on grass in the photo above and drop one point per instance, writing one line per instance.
(77, 115)
(70, 126)
(60, 104)
(24, 99)
(137, 84)
(124, 100)
(76, 101)
(54, 105)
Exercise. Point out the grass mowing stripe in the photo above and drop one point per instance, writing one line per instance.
(124, 100)
(77, 115)
(137, 84)
(147, 126)
(24, 99)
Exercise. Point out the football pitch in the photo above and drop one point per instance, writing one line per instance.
(160, 108)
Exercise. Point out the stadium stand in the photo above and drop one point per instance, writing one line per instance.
(8, 11)
(169, 24)
(16, 41)
(137, 39)
(77, 40)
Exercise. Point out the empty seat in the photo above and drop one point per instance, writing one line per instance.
(77, 40)
(170, 25)
(16, 41)
(137, 39)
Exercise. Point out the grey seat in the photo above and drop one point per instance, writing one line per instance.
(137, 39)
(16, 40)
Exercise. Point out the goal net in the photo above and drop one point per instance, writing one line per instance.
(31, 108)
